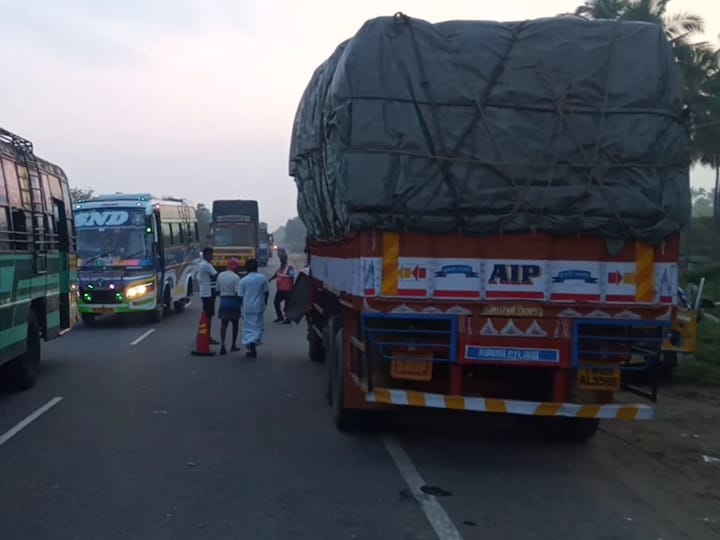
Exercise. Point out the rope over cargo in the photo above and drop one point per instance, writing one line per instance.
(563, 126)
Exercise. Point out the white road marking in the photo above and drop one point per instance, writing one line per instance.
(146, 334)
(28, 420)
(434, 512)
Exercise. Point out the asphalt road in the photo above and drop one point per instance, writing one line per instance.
(149, 442)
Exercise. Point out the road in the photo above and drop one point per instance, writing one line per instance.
(149, 442)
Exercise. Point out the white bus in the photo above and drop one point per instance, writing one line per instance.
(136, 254)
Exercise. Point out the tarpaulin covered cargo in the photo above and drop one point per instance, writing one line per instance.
(560, 125)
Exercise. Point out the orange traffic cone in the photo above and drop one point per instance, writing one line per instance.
(202, 347)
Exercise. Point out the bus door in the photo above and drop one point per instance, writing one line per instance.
(67, 303)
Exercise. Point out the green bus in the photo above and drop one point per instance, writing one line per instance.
(38, 290)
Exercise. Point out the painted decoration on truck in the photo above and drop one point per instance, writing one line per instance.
(370, 278)
(415, 277)
(515, 279)
(619, 283)
(575, 281)
(666, 283)
(457, 279)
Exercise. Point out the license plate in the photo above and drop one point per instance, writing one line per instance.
(412, 370)
(599, 378)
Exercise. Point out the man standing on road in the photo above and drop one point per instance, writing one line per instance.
(285, 276)
(207, 274)
(254, 297)
(228, 288)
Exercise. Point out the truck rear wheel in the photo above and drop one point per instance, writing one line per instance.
(345, 419)
(563, 429)
(579, 430)
(27, 367)
(316, 351)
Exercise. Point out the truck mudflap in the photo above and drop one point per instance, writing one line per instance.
(614, 411)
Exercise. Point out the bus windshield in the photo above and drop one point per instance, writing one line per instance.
(236, 234)
(115, 237)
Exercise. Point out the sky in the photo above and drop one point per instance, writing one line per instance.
(195, 99)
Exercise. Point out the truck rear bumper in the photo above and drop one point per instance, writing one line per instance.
(616, 411)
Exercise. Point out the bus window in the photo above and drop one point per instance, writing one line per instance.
(55, 188)
(66, 193)
(45, 181)
(181, 232)
(3, 193)
(197, 232)
(21, 229)
(4, 230)
(24, 178)
(11, 183)
(167, 235)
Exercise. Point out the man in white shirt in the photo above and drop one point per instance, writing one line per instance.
(228, 288)
(206, 280)
(254, 292)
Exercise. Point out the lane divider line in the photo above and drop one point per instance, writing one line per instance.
(434, 512)
(5, 437)
(138, 340)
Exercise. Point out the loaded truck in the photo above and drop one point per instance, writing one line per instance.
(234, 231)
(493, 218)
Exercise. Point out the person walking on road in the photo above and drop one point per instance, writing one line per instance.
(254, 293)
(285, 276)
(228, 288)
(206, 276)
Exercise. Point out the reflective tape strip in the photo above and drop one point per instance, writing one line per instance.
(645, 275)
(318, 308)
(508, 406)
(390, 264)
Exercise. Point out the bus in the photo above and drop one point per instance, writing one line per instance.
(136, 254)
(37, 258)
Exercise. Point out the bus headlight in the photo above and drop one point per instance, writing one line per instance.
(138, 291)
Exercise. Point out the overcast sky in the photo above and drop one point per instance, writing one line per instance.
(194, 98)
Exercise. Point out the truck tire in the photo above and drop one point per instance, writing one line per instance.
(574, 430)
(668, 365)
(328, 343)
(559, 429)
(344, 419)
(316, 351)
(27, 367)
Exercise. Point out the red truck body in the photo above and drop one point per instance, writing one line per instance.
(522, 324)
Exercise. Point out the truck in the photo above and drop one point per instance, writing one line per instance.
(137, 254)
(234, 229)
(492, 228)
(265, 244)
(38, 278)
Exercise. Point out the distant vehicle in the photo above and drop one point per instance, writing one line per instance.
(234, 228)
(138, 254)
(37, 257)
(265, 245)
